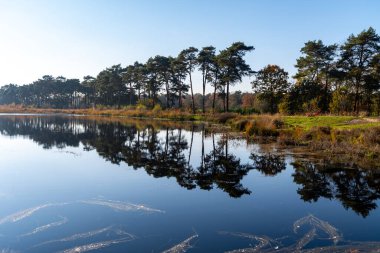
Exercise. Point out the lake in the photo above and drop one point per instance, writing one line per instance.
(76, 184)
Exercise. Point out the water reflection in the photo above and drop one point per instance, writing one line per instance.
(162, 150)
(268, 164)
(207, 161)
(356, 189)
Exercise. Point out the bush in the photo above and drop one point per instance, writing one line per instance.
(224, 117)
(157, 108)
(146, 102)
(264, 125)
(240, 125)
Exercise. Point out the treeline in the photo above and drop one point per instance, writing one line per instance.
(160, 78)
(330, 79)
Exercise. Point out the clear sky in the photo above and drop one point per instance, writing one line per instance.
(74, 38)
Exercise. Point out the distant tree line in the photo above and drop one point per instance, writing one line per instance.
(334, 78)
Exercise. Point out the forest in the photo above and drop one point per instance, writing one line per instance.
(337, 79)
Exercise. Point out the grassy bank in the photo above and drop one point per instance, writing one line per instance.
(341, 138)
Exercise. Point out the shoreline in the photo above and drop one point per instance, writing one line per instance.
(342, 139)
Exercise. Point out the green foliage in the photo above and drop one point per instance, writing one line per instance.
(358, 63)
(189, 59)
(157, 108)
(233, 66)
(311, 106)
(272, 84)
(145, 103)
(283, 106)
(341, 101)
(178, 87)
(206, 60)
(315, 67)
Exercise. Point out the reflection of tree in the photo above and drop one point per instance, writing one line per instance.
(36, 128)
(355, 189)
(204, 176)
(224, 169)
(162, 152)
(268, 164)
(315, 184)
(354, 192)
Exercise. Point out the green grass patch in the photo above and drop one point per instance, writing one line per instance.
(359, 126)
(318, 121)
(334, 122)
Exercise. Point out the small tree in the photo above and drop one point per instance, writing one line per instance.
(272, 84)
(341, 101)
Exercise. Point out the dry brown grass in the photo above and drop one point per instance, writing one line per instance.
(173, 114)
(259, 125)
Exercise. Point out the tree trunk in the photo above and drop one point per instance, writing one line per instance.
(192, 94)
(272, 104)
(224, 98)
(213, 100)
(326, 101)
(167, 95)
(130, 94)
(204, 90)
(179, 99)
(369, 103)
(227, 96)
(356, 103)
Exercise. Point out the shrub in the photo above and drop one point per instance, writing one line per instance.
(264, 125)
(157, 108)
(240, 125)
(224, 117)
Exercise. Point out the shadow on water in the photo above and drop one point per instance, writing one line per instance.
(168, 149)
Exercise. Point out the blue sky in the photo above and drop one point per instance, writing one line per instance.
(75, 38)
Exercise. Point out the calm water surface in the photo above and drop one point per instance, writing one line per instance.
(70, 184)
